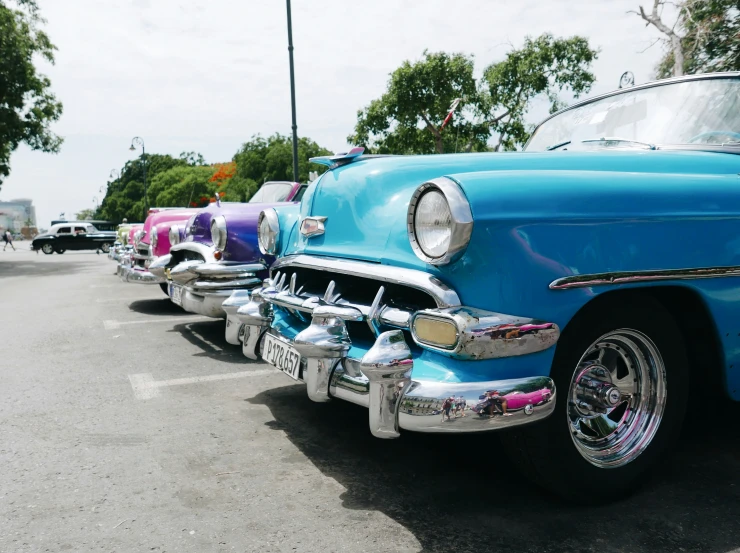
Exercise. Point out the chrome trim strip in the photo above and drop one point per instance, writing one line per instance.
(220, 269)
(442, 295)
(626, 277)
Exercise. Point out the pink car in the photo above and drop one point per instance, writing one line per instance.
(492, 403)
(152, 241)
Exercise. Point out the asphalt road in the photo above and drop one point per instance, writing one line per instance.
(127, 425)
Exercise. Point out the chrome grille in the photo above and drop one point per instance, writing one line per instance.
(376, 305)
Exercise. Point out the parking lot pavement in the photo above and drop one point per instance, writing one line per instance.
(128, 425)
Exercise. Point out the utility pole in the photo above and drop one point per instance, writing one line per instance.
(292, 94)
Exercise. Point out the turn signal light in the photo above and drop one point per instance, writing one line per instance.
(217, 255)
(435, 332)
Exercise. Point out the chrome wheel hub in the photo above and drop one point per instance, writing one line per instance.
(616, 398)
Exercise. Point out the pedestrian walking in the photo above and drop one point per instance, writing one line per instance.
(8, 239)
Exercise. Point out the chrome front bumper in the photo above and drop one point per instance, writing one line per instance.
(382, 379)
(138, 275)
(207, 284)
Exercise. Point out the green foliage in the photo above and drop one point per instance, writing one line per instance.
(125, 195)
(408, 118)
(189, 181)
(544, 66)
(183, 185)
(710, 38)
(265, 159)
(85, 215)
(27, 106)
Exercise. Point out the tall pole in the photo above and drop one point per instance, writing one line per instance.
(292, 95)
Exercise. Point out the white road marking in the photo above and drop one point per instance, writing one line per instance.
(145, 387)
(113, 325)
(142, 385)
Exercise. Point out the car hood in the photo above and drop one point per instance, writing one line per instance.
(241, 228)
(366, 202)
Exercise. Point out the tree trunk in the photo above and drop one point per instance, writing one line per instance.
(678, 58)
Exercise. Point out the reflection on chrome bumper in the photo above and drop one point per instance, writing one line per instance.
(138, 275)
(207, 285)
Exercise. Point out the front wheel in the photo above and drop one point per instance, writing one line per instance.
(165, 288)
(60, 250)
(105, 247)
(621, 377)
(48, 249)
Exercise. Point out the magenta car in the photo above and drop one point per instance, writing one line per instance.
(152, 241)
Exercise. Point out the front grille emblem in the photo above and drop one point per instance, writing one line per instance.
(312, 226)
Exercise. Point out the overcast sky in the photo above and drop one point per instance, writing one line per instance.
(197, 75)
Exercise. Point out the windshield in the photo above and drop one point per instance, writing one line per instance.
(270, 193)
(690, 112)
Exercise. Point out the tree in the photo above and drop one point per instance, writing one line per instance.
(267, 159)
(85, 215)
(27, 107)
(409, 118)
(183, 185)
(705, 36)
(124, 197)
(544, 66)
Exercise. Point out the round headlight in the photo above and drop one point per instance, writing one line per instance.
(154, 237)
(218, 232)
(174, 235)
(433, 224)
(439, 221)
(268, 232)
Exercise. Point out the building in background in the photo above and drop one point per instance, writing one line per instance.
(19, 216)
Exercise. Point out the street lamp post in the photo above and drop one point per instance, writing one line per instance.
(292, 95)
(138, 141)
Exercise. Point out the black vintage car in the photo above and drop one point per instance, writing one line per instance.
(73, 236)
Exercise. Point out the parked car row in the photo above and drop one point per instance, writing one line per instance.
(568, 295)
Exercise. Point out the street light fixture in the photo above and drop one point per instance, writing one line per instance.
(138, 141)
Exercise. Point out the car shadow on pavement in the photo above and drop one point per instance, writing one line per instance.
(209, 337)
(160, 306)
(461, 493)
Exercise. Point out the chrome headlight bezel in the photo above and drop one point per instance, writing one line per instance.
(218, 232)
(461, 227)
(268, 232)
(154, 238)
(174, 235)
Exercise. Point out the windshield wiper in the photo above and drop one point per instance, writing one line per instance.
(558, 145)
(604, 140)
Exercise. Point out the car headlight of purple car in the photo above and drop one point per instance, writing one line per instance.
(218, 232)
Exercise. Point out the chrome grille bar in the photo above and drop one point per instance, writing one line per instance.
(419, 280)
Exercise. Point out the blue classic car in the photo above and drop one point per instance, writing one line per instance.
(568, 294)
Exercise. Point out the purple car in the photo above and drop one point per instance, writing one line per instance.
(219, 253)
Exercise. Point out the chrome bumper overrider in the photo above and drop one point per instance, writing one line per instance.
(382, 379)
(138, 275)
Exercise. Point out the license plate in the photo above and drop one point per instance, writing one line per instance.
(281, 355)
(176, 294)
